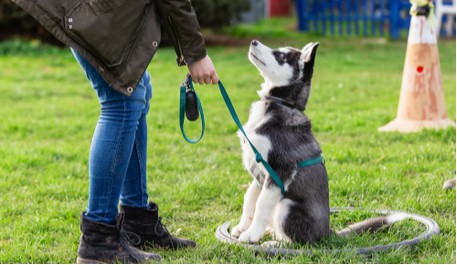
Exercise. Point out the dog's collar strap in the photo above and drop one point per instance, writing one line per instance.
(307, 163)
(313, 161)
(280, 101)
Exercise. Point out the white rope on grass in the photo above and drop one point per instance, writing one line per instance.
(223, 235)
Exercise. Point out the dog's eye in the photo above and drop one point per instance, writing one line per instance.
(280, 56)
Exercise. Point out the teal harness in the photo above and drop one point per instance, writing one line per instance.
(188, 87)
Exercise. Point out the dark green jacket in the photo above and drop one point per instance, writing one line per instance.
(120, 37)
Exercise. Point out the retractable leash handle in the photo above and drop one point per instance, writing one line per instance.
(192, 112)
(190, 106)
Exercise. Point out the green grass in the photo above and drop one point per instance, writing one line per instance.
(48, 112)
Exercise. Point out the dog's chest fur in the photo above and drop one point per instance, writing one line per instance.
(263, 123)
(257, 118)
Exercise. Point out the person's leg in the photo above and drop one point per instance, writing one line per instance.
(112, 144)
(110, 154)
(134, 192)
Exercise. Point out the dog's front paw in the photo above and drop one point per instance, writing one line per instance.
(251, 236)
(237, 230)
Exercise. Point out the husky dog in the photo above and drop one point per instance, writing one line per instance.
(281, 132)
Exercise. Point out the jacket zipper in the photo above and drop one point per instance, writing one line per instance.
(181, 54)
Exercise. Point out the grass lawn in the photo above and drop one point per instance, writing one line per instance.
(48, 112)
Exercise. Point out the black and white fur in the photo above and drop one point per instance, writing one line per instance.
(281, 132)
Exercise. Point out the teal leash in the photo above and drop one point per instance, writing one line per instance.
(258, 156)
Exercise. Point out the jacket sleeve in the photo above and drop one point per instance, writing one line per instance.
(180, 22)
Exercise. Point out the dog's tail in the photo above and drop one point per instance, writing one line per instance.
(372, 224)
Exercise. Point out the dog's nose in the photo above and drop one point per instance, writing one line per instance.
(254, 43)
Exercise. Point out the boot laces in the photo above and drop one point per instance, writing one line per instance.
(132, 238)
(160, 229)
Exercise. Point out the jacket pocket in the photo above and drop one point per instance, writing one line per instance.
(106, 27)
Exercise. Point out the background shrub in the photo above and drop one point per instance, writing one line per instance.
(213, 14)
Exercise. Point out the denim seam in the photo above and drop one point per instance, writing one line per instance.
(146, 84)
(116, 157)
(141, 171)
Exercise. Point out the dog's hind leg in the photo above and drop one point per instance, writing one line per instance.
(250, 199)
(268, 199)
(305, 225)
(281, 212)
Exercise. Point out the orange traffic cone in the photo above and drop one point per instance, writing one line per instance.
(421, 102)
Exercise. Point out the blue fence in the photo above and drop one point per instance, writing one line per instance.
(354, 17)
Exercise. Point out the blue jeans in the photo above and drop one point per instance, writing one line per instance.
(117, 160)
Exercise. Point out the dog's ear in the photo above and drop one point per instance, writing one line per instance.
(308, 54)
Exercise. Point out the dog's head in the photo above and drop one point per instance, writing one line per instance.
(285, 69)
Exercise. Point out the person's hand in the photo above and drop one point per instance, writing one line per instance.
(203, 71)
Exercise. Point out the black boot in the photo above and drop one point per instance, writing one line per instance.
(143, 226)
(101, 243)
